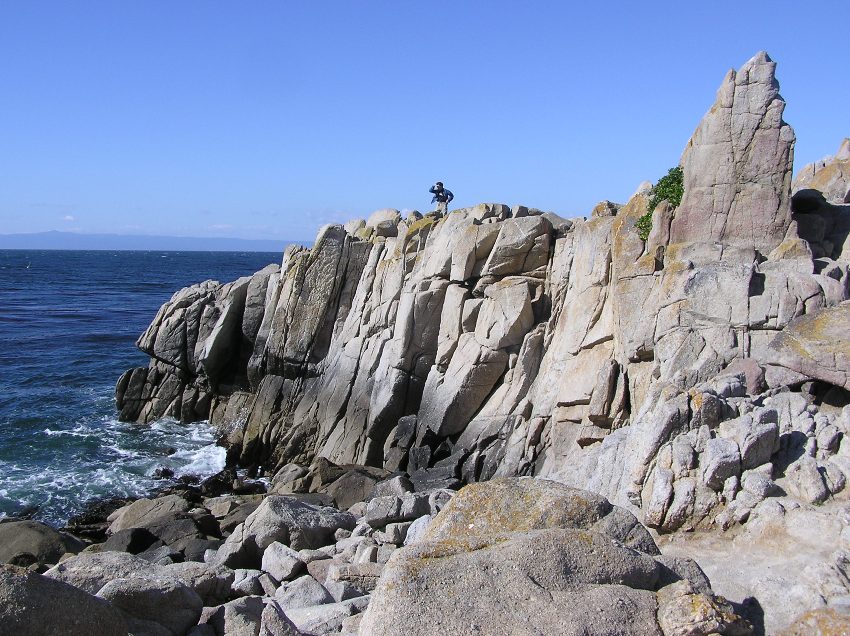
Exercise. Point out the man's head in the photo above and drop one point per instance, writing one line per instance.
(439, 184)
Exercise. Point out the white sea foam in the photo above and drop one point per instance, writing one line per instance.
(206, 461)
(108, 458)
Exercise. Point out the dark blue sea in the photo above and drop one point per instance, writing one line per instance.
(68, 325)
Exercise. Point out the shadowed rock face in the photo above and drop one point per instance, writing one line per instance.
(500, 342)
(738, 165)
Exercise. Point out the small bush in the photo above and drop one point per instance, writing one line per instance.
(670, 187)
(644, 225)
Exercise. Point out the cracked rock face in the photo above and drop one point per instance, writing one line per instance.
(738, 165)
(498, 342)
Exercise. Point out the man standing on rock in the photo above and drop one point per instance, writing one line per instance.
(442, 196)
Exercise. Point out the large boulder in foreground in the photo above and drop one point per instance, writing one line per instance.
(816, 345)
(524, 504)
(34, 605)
(738, 165)
(152, 606)
(531, 556)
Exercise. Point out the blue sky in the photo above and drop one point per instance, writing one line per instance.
(268, 119)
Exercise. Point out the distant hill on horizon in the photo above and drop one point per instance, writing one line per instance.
(55, 240)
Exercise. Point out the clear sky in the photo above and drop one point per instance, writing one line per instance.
(268, 119)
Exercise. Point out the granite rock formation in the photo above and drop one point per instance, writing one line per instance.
(696, 378)
(830, 176)
(506, 341)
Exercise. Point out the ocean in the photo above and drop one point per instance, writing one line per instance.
(68, 325)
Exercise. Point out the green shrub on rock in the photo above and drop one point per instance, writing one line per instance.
(670, 187)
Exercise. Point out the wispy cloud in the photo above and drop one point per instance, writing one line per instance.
(69, 218)
(220, 226)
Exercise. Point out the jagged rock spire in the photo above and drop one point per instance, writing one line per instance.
(738, 165)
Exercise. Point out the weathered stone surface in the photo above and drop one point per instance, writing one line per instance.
(509, 342)
(524, 504)
(282, 562)
(239, 617)
(522, 246)
(816, 346)
(325, 619)
(576, 582)
(33, 605)
(284, 519)
(151, 605)
(305, 591)
(132, 540)
(738, 165)
(145, 511)
(721, 460)
(805, 481)
(27, 542)
(826, 621)
(211, 582)
(830, 176)
(90, 571)
(682, 610)
(274, 622)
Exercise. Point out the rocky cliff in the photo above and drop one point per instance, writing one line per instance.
(689, 376)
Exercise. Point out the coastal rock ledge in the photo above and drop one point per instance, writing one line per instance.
(579, 383)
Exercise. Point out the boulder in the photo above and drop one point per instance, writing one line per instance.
(351, 487)
(682, 610)
(389, 509)
(282, 562)
(829, 176)
(145, 511)
(553, 581)
(326, 619)
(815, 345)
(151, 605)
(524, 503)
(274, 622)
(239, 617)
(29, 542)
(211, 582)
(521, 556)
(132, 540)
(36, 605)
(90, 571)
(721, 460)
(305, 591)
(804, 481)
(286, 520)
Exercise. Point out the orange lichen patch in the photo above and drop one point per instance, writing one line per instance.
(697, 398)
(516, 505)
(826, 621)
(823, 330)
(790, 249)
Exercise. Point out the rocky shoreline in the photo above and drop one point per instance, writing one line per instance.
(503, 421)
(297, 564)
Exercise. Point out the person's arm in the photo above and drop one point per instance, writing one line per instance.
(432, 190)
(449, 196)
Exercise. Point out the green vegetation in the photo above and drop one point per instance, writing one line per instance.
(644, 225)
(670, 188)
